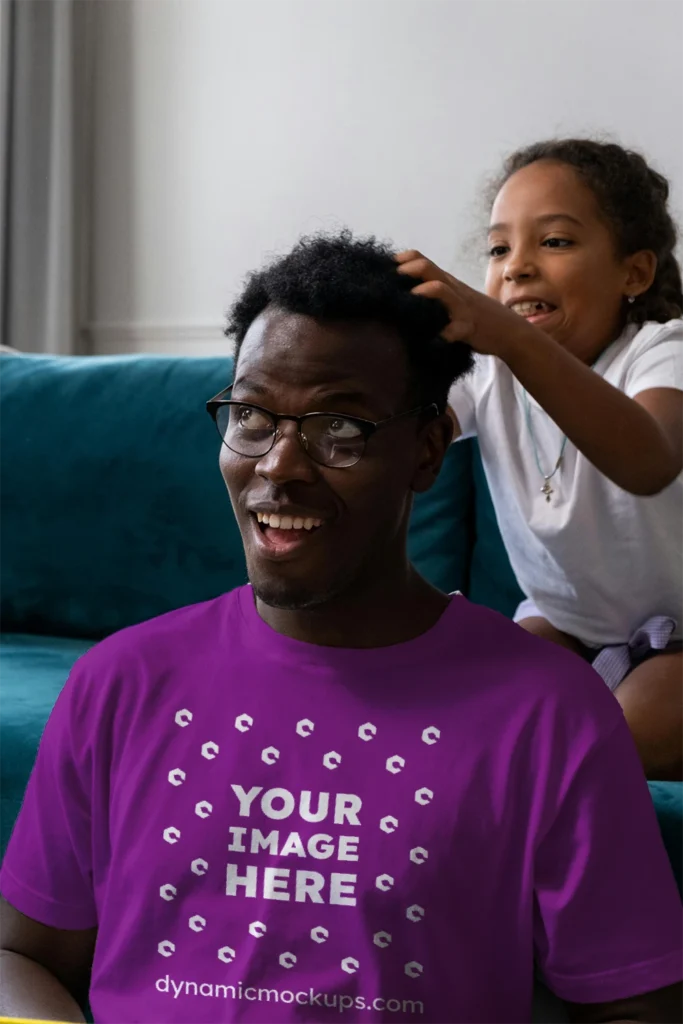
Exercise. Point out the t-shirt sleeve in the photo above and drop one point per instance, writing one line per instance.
(463, 398)
(47, 871)
(608, 922)
(659, 364)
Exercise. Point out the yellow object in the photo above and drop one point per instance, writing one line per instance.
(27, 1020)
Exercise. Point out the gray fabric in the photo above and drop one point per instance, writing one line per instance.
(44, 150)
(615, 662)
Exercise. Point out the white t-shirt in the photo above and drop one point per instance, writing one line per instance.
(596, 560)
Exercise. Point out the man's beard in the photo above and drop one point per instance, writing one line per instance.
(287, 596)
(290, 595)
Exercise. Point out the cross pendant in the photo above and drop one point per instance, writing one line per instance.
(547, 490)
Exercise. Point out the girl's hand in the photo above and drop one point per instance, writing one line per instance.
(482, 322)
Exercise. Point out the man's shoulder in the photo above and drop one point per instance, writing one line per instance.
(170, 639)
(136, 675)
(525, 669)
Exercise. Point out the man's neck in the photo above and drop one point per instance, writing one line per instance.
(390, 611)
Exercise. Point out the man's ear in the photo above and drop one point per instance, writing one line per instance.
(435, 439)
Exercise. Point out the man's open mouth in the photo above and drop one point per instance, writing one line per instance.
(276, 522)
(284, 534)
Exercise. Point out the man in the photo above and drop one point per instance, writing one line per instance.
(336, 794)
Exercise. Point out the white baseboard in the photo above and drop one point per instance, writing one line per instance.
(107, 339)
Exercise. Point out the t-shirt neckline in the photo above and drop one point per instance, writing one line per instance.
(418, 650)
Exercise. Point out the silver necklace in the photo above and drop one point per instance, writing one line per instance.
(547, 488)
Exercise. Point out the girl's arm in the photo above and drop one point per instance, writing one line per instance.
(636, 442)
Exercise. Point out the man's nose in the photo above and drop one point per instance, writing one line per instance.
(287, 460)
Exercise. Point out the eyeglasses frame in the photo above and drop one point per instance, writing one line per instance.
(367, 427)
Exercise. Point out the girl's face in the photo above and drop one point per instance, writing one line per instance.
(553, 259)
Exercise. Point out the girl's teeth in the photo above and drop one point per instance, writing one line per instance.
(298, 523)
(531, 308)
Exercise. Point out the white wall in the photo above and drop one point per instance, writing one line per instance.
(225, 128)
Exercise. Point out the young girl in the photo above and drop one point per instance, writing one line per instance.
(577, 402)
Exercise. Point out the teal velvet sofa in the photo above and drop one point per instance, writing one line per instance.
(113, 511)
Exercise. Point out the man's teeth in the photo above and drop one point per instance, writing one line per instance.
(531, 308)
(287, 522)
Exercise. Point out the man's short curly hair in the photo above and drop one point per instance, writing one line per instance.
(341, 278)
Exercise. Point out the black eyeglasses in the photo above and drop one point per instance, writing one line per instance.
(329, 439)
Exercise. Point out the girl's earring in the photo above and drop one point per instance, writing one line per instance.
(631, 299)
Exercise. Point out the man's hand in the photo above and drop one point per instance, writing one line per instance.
(488, 326)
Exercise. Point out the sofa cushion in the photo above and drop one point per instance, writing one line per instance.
(34, 670)
(668, 801)
(441, 533)
(492, 581)
(112, 505)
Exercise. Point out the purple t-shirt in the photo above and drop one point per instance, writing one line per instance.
(267, 830)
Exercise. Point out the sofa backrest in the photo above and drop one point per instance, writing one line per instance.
(491, 580)
(113, 509)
